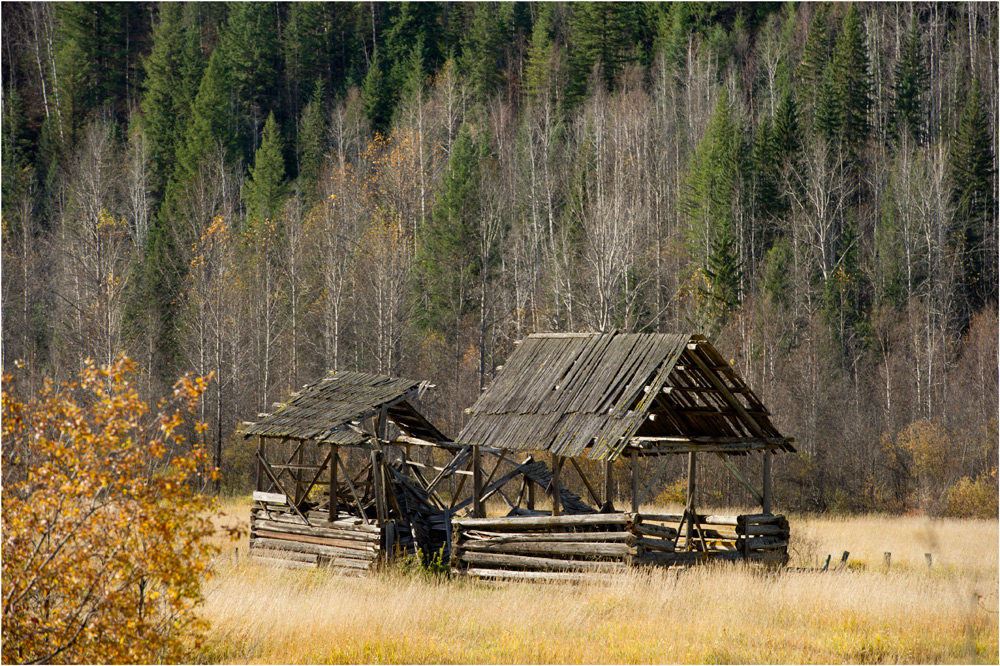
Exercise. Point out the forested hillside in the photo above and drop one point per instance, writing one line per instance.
(268, 191)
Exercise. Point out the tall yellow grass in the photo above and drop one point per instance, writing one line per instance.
(864, 614)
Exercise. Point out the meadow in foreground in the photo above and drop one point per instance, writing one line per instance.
(718, 614)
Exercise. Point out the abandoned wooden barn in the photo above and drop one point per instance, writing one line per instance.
(325, 492)
(617, 398)
(355, 433)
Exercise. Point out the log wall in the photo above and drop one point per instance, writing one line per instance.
(573, 547)
(346, 545)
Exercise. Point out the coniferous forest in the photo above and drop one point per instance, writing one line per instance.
(269, 191)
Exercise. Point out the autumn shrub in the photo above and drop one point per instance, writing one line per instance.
(972, 498)
(103, 520)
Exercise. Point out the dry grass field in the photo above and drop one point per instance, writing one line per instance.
(723, 614)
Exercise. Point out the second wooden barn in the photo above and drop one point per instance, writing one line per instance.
(615, 398)
(328, 492)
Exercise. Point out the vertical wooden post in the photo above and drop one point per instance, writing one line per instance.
(297, 475)
(477, 484)
(260, 465)
(766, 501)
(635, 481)
(379, 490)
(531, 494)
(556, 465)
(689, 509)
(608, 502)
(383, 418)
(334, 485)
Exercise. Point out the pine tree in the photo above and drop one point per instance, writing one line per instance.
(162, 108)
(249, 44)
(265, 186)
(312, 142)
(210, 120)
(816, 55)
(536, 68)
(910, 86)
(379, 99)
(852, 85)
(711, 184)
(482, 58)
(725, 275)
(446, 259)
(602, 32)
(972, 192)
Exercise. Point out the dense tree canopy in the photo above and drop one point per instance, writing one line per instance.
(273, 190)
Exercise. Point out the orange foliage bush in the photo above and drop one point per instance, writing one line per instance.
(103, 522)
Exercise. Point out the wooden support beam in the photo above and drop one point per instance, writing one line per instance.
(260, 471)
(739, 476)
(635, 481)
(554, 484)
(461, 485)
(477, 484)
(383, 422)
(296, 472)
(714, 378)
(274, 479)
(586, 482)
(354, 491)
(381, 510)
(765, 500)
(315, 479)
(689, 509)
(656, 477)
(453, 465)
(334, 487)
(608, 490)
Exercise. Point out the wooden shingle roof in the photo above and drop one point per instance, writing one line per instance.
(594, 394)
(325, 410)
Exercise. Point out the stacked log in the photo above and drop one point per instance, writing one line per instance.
(346, 545)
(764, 537)
(540, 547)
(575, 547)
(756, 537)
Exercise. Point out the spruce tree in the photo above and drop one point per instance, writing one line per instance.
(379, 98)
(446, 259)
(536, 68)
(852, 85)
(604, 32)
(711, 184)
(312, 142)
(265, 186)
(210, 120)
(725, 275)
(972, 193)
(162, 109)
(482, 59)
(249, 44)
(910, 86)
(787, 134)
(816, 55)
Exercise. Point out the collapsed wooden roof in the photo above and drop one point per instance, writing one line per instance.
(330, 410)
(593, 394)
